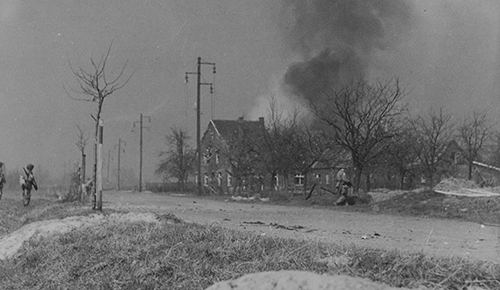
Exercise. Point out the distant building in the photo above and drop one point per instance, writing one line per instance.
(324, 170)
(231, 159)
(234, 162)
(334, 159)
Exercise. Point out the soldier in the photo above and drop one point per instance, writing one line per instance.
(28, 182)
(343, 185)
(87, 189)
(341, 179)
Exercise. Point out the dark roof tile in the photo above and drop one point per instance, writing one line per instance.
(230, 128)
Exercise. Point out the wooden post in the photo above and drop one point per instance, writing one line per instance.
(99, 167)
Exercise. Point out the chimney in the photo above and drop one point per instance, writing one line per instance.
(240, 118)
(261, 120)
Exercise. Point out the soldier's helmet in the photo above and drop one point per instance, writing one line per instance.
(30, 167)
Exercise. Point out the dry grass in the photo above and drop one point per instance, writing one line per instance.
(14, 215)
(188, 256)
(432, 204)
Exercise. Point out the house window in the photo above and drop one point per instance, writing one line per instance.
(205, 180)
(327, 179)
(229, 181)
(299, 179)
(207, 156)
(219, 179)
(216, 158)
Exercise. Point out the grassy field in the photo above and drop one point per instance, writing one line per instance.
(13, 214)
(187, 256)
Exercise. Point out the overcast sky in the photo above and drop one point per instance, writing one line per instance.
(449, 56)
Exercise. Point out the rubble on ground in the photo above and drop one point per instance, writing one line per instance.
(277, 226)
(250, 198)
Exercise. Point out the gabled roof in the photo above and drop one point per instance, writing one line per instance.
(228, 129)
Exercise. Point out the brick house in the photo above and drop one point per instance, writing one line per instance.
(231, 158)
(323, 171)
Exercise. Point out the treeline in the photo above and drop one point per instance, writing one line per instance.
(370, 124)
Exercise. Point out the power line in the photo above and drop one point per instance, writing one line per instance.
(120, 150)
(213, 95)
(141, 126)
(199, 83)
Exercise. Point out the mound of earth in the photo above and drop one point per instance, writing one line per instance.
(434, 204)
(462, 187)
(10, 244)
(295, 280)
(453, 184)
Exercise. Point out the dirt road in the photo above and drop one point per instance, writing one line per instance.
(432, 236)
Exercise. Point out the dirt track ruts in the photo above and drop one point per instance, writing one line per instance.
(439, 237)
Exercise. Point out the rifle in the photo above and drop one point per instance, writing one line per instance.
(32, 180)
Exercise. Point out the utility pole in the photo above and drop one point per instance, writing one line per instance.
(141, 126)
(120, 142)
(200, 63)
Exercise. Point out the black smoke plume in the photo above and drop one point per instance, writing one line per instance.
(336, 39)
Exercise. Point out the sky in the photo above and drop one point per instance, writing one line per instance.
(448, 56)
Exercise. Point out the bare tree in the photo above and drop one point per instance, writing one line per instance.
(433, 135)
(179, 159)
(96, 85)
(244, 152)
(286, 144)
(473, 132)
(400, 155)
(361, 117)
(312, 144)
